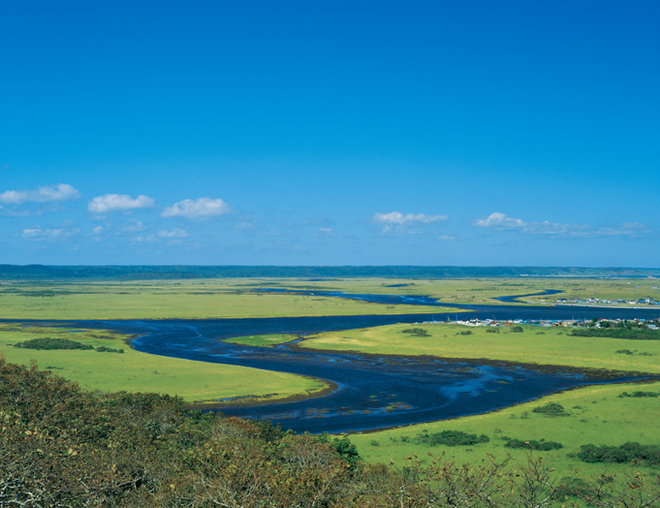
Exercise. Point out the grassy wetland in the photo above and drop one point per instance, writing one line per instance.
(132, 371)
(610, 415)
(233, 298)
(607, 415)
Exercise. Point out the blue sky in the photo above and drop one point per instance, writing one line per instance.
(330, 133)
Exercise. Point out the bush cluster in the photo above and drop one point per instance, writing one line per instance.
(640, 393)
(618, 332)
(532, 444)
(417, 332)
(451, 438)
(50, 343)
(627, 452)
(551, 409)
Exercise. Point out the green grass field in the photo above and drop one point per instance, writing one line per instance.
(543, 346)
(262, 340)
(596, 414)
(140, 372)
(230, 298)
(198, 299)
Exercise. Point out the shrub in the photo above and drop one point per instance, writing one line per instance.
(49, 343)
(416, 332)
(551, 409)
(640, 394)
(618, 332)
(103, 349)
(451, 438)
(625, 453)
(517, 329)
(532, 444)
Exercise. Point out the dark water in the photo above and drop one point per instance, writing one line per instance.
(374, 391)
(516, 298)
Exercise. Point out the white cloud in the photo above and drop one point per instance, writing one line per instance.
(45, 194)
(20, 213)
(201, 208)
(501, 222)
(175, 233)
(118, 202)
(446, 237)
(398, 223)
(133, 226)
(97, 230)
(400, 219)
(325, 232)
(150, 238)
(49, 234)
(632, 229)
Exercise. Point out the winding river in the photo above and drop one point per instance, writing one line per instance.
(373, 391)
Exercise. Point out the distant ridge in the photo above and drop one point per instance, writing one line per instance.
(32, 272)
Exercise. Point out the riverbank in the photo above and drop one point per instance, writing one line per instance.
(133, 371)
(532, 345)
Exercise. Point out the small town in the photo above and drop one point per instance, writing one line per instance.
(599, 301)
(651, 324)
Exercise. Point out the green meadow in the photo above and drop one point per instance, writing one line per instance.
(231, 298)
(597, 415)
(198, 299)
(592, 415)
(262, 340)
(195, 382)
(534, 345)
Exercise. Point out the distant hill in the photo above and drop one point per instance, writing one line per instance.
(34, 272)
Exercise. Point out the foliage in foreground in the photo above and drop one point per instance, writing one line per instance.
(62, 446)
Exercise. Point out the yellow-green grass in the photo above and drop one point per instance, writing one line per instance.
(485, 290)
(140, 372)
(537, 345)
(597, 415)
(263, 340)
(199, 299)
(606, 289)
(230, 298)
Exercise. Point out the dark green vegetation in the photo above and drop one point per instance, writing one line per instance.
(50, 343)
(416, 332)
(62, 446)
(532, 444)
(551, 409)
(625, 453)
(629, 331)
(640, 393)
(42, 272)
(451, 438)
